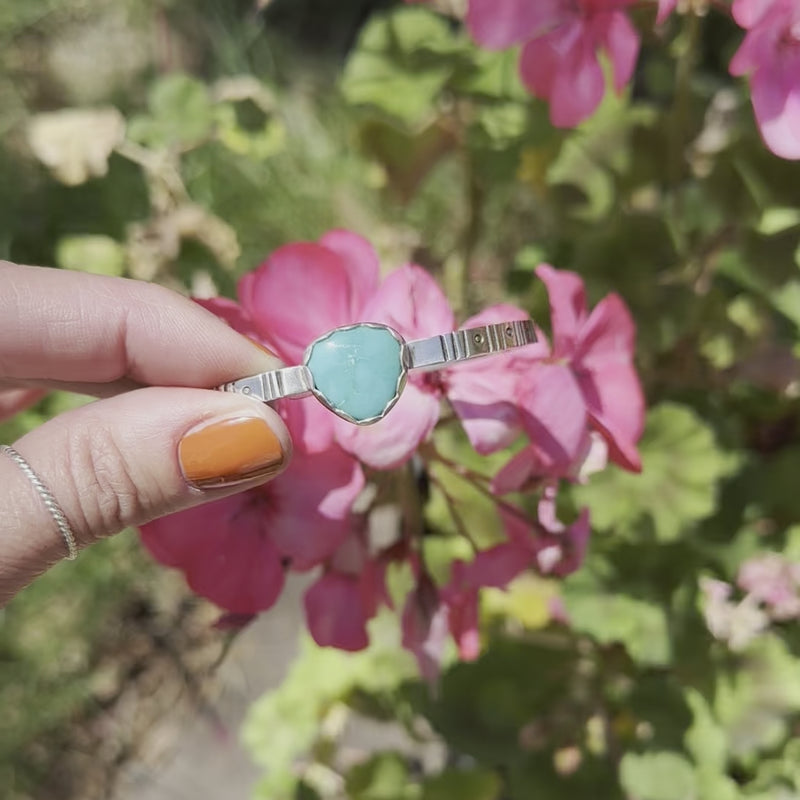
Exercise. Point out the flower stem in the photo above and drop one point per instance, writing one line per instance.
(458, 520)
(679, 123)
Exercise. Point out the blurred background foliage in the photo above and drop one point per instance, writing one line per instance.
(182, 141)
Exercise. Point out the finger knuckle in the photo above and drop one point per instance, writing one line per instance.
(109, 498)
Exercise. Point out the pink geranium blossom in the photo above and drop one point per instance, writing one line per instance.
(235, 551)
(562, 40)
(773, 580)
(586, 383)
(770, 54)
(304, 290)
(483, 392)
(346, 595)
(432, 613)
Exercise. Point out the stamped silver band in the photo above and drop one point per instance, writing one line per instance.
(47, 498)
(450, 348)
(424, 355)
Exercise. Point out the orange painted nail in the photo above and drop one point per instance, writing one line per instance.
(216, 454)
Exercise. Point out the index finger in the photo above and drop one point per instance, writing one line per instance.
(72, 327)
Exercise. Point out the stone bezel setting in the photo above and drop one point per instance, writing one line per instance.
(401, 378)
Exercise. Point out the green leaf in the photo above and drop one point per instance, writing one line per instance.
(786, 299)
(382, 777)
(473, 784)
(657, 776)
(681, 468)
(180, 113)
(617, 618)
(100, 255)
(537, 779)
(483, 706)
(284, 724)
(468, 507)
(492, 74)
(705, 739)
(499, 124)
(754, 703)
(401, 63)
(777, 220)
(599, 150)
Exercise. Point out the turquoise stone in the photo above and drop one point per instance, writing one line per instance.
(357, 370)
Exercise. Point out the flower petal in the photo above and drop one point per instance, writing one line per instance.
(313, 501)
(300, 292)
(361, 262)
(616, 406)
(607, 337)
(482, 392)
(567, 307)
(749, 13)
(776, 102)
(310, 424)
(425, 627)
(621, 42)
(538, 65)
(553, 415)
(335, 614)
(497, 566)
(497, 24)
(224, 550)
(410, 301)
(608, 379)
(579, 84)
(517, 472)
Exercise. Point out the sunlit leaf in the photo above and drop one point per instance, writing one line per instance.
(681, 468)
(640, 626)
(657, 776)
(100, 255)
(401, 63)
(180, 113)
(385, 776)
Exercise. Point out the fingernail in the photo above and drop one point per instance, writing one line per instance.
(230, 451)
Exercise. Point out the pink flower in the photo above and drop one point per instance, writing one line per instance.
(770, 54)
(411, 302)
(346, 596)
(483, 392)
(425, 628)
(562, 39)
(234, 551)
(737, 624)
(586, 383)
(774, 581)
(431, 614)
(549, 545)
(304, 290)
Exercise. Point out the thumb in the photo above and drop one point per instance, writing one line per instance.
(129, 459)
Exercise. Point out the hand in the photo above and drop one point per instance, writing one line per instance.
(160, 441)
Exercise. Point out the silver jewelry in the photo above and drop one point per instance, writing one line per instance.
(359, 371)
(49, 501)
